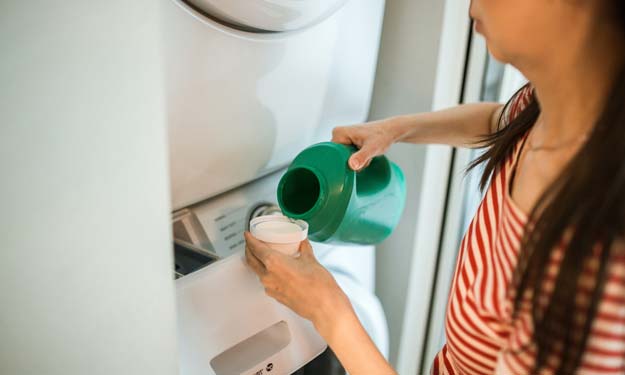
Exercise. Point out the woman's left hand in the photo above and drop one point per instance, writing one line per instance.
(301, 283)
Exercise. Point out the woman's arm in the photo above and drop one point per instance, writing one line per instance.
(302, 284)
(461, 126)
(352, 345)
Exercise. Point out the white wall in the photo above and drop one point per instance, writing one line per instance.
(420, 68)
(404, 83)
(86, 282)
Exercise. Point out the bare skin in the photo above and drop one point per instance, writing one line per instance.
(569, 49)
(571, 68)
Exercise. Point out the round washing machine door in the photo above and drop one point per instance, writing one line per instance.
(269, 15)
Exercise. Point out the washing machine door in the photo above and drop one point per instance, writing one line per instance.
(269, 15)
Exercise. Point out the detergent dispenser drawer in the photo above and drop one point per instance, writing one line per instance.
(192, 248)
(190, 258)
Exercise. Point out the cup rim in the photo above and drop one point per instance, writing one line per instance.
(281, 238)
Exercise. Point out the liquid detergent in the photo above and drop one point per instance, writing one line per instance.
(282, 233)
(339, 204)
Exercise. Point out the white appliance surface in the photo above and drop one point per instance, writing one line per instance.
(241, 105)
(270, 15)
(225, 218)
(227, 325)
(85, 241)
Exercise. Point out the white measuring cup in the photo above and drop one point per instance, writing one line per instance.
(280, 232)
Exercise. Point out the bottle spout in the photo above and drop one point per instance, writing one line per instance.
(300, 193)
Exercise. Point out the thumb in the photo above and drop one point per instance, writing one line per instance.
(361, 157)
(306, 250)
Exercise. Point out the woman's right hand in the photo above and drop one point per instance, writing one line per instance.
(372, 139)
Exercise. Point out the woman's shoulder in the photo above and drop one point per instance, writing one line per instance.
(513, 138)
(515, 106)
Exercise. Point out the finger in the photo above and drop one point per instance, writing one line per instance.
(275, 294)
(269, 292)
(266, 255)
(254, 262)
(339, 135)
(361, 158)
(306, 250)
(257, 247)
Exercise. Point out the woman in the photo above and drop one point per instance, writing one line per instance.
(539, 285)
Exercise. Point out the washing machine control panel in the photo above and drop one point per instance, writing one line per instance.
(215, 227)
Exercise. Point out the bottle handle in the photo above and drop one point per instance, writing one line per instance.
(375, 177)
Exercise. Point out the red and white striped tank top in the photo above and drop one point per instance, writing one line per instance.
(482, 337)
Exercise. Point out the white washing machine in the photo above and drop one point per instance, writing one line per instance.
(250, 83)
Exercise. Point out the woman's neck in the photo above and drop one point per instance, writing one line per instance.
(573, 89)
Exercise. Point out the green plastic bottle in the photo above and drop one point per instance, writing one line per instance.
(340, 205)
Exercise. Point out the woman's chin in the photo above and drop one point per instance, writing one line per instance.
(497, 54)
(477, 26)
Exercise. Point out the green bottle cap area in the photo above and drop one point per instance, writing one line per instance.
(301, 192)
(339, 204)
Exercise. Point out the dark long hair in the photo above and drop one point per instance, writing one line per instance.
(587, 202)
